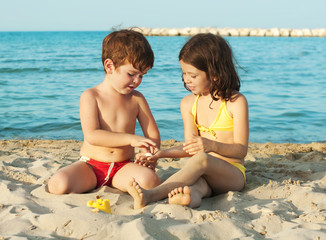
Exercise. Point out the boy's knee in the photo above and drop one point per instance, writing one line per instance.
(149, 180)
(58, 184)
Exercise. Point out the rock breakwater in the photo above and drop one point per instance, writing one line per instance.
(235, 32)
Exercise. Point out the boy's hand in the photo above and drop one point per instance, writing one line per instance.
(196, 144)
(142, 142)
(147, 159)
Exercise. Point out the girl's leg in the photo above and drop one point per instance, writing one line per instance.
(219, 175)
(190, 196)
(145, 176)
(222, 176)
(75, 178)
(188, 175)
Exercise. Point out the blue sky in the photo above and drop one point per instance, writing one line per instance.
(56, 15)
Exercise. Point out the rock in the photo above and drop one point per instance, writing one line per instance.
(234, 32)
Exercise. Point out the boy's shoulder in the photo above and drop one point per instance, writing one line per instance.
(138, 96)
(90, 91)
(136, 93)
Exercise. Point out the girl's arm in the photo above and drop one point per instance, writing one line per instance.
(189, 129)
(239, 147)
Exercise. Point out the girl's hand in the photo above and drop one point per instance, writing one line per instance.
(147, 159)
(145, 164)
(196, 144)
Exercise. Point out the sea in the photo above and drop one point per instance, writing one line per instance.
(42, 75)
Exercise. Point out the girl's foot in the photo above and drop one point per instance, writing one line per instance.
(185, 196)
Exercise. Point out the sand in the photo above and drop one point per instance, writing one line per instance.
(284, 198)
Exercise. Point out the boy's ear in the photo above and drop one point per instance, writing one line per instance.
(108, 65)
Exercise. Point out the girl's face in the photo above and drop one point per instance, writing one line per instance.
(195, 79)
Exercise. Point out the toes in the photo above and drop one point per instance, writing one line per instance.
(174, 191)
(186, 190)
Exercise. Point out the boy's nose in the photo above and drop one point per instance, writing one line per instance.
(137, 79)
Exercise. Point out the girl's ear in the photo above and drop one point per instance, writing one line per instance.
(108, 65)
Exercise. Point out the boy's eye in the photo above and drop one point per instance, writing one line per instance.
(131, 75)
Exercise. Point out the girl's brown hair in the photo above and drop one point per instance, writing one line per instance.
(213, 55)
(128, 45)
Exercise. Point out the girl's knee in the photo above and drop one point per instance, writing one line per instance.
(200, 160)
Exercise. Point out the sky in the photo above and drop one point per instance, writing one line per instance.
(103, 15)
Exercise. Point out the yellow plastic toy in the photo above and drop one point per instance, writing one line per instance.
(100, 204)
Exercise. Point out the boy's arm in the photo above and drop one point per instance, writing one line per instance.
(177, 151)
(147, 121)
(91, 127)
(189, 130)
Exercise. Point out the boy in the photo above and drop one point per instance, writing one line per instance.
(108, 114)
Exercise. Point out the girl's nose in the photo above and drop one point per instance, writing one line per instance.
(186, 79)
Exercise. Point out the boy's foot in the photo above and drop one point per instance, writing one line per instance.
(137, 193)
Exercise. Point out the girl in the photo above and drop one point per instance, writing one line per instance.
(216, 128)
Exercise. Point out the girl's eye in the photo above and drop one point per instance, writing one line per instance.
(131, 75)
(193, 76)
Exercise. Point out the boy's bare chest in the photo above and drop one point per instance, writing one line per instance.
(118, 115)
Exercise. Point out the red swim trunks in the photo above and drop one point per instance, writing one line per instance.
(104, 171)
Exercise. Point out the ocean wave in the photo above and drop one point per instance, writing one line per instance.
(24, 70)
(47, 70)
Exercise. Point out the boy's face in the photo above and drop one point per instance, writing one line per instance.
(126, 78)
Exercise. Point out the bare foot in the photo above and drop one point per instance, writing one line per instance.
(186, 196)
(180, 196)
(137, 193)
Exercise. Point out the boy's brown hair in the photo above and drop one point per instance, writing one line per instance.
(128, 45)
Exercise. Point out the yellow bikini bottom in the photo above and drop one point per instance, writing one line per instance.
(241, 168)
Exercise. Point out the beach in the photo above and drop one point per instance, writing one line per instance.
(284, 198)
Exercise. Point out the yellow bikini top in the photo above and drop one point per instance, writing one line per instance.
(223, 120)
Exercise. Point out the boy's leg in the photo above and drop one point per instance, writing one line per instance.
(145, 176)
(75, 178)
